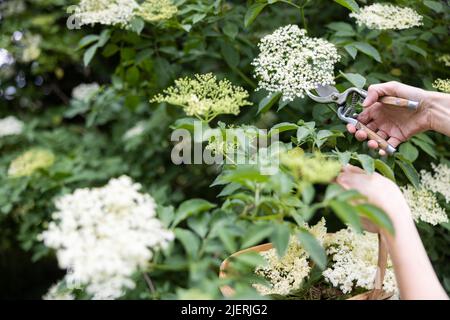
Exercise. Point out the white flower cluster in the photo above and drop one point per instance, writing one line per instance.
(383, 16)
(442, 85)
(355, 258)
(104, 235)
(437, 182)
(287, 274)
(84, 91)
(10, 126)
(108, 12)
(56, 292)
(290, 62)
(424, 205)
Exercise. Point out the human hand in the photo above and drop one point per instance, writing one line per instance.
(391, 123)
(379, 191)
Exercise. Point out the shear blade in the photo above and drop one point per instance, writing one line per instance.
(325, 91)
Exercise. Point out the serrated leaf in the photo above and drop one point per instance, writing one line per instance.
(409, 151)
(434, 5)
(87, 40)
(266, 103)
(280, 238)
(315, 250)
(230, 54)
(367, 163)
(89, 54)
(282, 127)
(302, 133)
(384, 169)
(256, 234)
(346, 213)
(252, 13)
(349, 4)
(368, 50)
(189, 240)
(377, 216)
(228, 240)
(351, 50)
(410, 172)
(191, 207)
(355, 78)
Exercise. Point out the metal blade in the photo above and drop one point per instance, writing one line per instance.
(325, 91)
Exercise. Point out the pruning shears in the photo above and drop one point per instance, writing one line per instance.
(348, 100)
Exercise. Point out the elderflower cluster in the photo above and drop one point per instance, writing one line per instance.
(10, 126)
(219, 146)
(442, 85)
(383, 16)
(108, 12)
(85, 91)
(290, 62)
(204, 96)
(445, 59)
(30, 161)
(104, 235)
(437, 182)
(156, 10)
(287, 274)
(314, 169)
(354, 261)
(424, 205)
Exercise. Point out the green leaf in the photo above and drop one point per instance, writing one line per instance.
(434, 5)
(104, 37)
(322, 137)
(280, 238)
(255, 234)
(132, 75)
(89, 54)
(410, 172)
(344, 157)
(252, 13)
(367, 163)
(417, 49)
(230, 54)
(349, 4)
(230, 30)
(87, 40)
(384, 169)
(199, 224)
(315, 250)
(368, 50)
(302, 133)
(355, 78)
(342, 29)
(346, 213)
(137, 24)
(191, 207)
(282, 127)
(425, 147)
(308, 193)
(267, 103)
(244, 173)
(409, 151)
(228, 240)
(189, 240)
(333, 190)
(251, 259)
(351, 50)
(377, 216)
(229, 189)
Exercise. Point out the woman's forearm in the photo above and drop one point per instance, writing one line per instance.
(439, 107)
(415, 276)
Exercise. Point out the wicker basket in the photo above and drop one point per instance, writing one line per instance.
(375, 294)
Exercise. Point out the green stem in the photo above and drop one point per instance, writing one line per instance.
(302, 12)
(245, 78)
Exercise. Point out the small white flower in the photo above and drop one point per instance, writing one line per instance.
(424, 205)
(442, 85)
(58, 292)
(85, 91)
(383, 16)
(437, 182)
(108, 12)
(104, 235)
(290, 62)
(355, 258)
(10, 126)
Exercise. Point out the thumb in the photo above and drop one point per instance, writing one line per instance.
(376, 91)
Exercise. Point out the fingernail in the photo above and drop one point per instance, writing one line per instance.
(365, 102)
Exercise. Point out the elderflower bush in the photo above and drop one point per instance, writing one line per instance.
(93, 90)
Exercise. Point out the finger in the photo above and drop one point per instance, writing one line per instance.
(374, 92)
(372, 96)
(364, 116)
(372, 144)
(361, 135)
(381, 152)
(351, 128)
(382, 134)
(372, 126)
(393, 141)
(352, 168)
